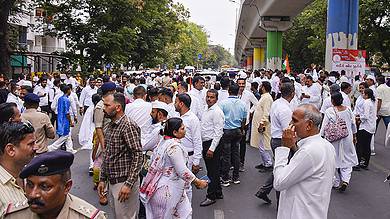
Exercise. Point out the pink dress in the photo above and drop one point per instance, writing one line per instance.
(163, 190)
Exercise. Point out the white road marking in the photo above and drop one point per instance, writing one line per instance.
(218, 214)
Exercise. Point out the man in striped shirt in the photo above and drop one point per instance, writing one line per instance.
(17, 148)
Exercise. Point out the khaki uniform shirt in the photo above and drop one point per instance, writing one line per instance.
(10, 192)
(43, 128)
(98, 116)
(74, 208)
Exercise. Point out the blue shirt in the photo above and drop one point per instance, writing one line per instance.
(235, 112)
(63, 125)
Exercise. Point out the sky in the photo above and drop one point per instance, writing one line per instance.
(218, 17)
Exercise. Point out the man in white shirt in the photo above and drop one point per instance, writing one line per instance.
(199, 92)
(311, 93)
(139, 110)
(223, 94)
(72, 81)
(192, 141)
(346, 89)
(305, 181)
(42, 90)
(166, 95)
(280, 116)
(159, 114)
(86, 96)
(383, 108)
(212, 124)
(196, 105)
(250, 102)
(275, 82)
(13, 96)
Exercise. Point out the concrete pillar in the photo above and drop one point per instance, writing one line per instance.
(342, 27)
(274, 50)
(262, 58)
(256, 58)
(249, 63)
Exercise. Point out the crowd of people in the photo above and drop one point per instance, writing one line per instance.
(149, 136)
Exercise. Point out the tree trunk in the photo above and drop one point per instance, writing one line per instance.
(5, 50)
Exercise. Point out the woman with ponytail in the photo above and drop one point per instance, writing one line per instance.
(367, 127)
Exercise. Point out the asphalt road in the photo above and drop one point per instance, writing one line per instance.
(366, 197)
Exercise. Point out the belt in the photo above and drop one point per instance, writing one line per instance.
(190, 153)
(118, 180)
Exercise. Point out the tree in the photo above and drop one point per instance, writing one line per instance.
(216, 56)
(191, 41)
(305, 41)
(8, 8)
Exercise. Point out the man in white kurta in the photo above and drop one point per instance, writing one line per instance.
(311, 93)
(305, 182)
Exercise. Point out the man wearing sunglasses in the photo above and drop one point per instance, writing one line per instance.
(17, 148)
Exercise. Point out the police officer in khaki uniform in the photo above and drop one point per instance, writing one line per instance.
(47, 185)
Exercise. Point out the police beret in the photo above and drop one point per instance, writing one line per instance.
(108, 86)
(47, 164)
(31, 98)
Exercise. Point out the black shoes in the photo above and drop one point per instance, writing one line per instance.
(266, 169)
(90, 171)
(343, 187)
(260, 166)
(261, 195)
(207, 202)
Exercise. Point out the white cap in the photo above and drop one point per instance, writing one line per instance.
(344, 79)
(332, 79)
(160, 105)
(242, 74)
(113, 75)
(371, 77)
(153, 75)
(62, 76)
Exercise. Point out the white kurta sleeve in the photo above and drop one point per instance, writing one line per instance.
(287, 175)
(175, 153)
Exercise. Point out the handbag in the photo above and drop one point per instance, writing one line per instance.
(336, 130)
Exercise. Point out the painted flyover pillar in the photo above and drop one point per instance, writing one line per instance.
(275, 26)
(262, 58)
(342, 27)
(256, 58)
(249, 63)
(274, 50)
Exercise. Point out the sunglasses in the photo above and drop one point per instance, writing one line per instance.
(21, 128)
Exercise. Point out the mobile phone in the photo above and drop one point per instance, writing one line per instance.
(205, 177)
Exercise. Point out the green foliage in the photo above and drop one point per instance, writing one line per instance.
(216, 56)
(305, 43)
(191, 41)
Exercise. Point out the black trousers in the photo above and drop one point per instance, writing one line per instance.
(363, 148)
(243, 147)
(214, 188)
(46, 109)
(230, 152)
(269, 183)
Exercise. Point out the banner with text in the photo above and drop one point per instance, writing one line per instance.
(352, 61)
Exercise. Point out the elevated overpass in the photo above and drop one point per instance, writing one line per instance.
(261, 24)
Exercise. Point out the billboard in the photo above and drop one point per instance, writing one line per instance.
(352, 61)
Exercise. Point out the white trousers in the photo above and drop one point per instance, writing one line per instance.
(342, 175)
(373, 143)
(66, 139)
(265, 155)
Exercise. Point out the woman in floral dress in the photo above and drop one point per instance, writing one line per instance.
(163, 190)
